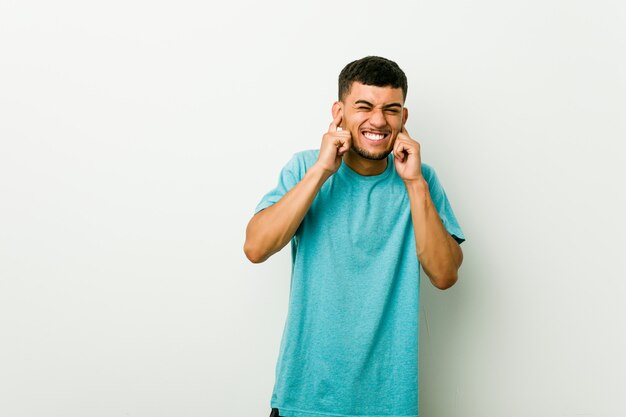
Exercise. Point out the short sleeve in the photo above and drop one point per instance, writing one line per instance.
(438, 195)
(290, 175)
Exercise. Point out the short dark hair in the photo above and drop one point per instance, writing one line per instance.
(372, 70)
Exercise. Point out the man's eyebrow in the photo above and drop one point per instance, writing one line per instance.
(386, 106)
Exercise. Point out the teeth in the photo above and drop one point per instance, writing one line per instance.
(373, 136)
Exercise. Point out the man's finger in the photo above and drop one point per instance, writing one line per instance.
(343, 146)
(335, 123)
(398, 150)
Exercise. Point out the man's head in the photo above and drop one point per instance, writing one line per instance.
(372, 91)
(372, 70)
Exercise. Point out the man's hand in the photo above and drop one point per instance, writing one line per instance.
(335, 143)
(407, 157)
(272, 228)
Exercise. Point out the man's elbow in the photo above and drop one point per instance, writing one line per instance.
(446, 281)
(448, 274)
(253, 246)
(253, 253)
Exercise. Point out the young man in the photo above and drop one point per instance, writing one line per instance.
(362, 213)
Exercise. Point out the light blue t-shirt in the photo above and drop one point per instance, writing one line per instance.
(349, 346)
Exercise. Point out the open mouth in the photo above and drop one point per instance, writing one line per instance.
(374, 136)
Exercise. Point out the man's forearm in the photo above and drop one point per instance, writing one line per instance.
(271, 229)
(439, 254)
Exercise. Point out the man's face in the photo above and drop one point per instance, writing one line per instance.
(374, 116)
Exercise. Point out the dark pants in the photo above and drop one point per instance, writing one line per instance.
(274, 413)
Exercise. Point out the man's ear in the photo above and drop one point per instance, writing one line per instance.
(405, 115)
(337, 109)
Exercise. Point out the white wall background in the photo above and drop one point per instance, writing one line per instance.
(136, 138)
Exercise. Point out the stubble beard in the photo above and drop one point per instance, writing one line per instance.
(371, 156)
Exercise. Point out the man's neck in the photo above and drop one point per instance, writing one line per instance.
(363, 166)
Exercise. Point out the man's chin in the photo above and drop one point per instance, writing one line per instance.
(371, 156)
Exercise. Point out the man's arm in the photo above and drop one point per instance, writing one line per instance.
(271, 229)
(439, 254)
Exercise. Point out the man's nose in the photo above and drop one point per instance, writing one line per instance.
(377, 118)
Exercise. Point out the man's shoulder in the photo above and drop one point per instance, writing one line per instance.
(307, 156)
(427, 170)
(301, 161)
